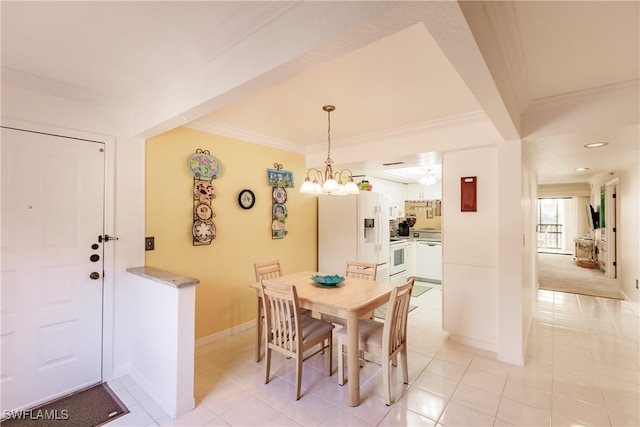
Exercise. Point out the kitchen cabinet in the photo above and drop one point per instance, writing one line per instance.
(411, 258)
(429, 261)
(421, 192)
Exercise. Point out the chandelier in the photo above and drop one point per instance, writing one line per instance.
(328, 182)
(427, 179)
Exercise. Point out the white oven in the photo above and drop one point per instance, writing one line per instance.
(398, 257)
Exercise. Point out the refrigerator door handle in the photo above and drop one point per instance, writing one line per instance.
(379, 219)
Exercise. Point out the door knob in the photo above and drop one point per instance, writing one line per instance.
(94, 276)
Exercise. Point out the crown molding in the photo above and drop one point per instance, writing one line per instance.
(616, 90)
(244, 135)
(30, 82)
(504, 24)
(458, 121)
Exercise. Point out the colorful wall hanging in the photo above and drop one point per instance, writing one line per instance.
(204, 169)
(279, 181)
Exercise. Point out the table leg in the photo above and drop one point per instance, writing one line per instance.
(353, 362)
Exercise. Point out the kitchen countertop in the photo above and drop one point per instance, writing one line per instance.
(393, 240)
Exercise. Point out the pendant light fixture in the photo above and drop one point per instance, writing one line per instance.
(328, 182)
(428, 179)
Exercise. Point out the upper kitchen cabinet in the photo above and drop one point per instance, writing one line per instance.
(424, 192)
(395, 194)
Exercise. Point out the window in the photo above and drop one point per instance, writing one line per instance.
(553, 224)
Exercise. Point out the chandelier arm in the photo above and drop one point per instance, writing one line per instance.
(314, 170)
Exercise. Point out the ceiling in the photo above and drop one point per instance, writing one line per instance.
(538, 70)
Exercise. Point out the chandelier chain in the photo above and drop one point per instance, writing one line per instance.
(328, 109)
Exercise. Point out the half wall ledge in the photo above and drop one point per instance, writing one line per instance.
(161, 337)
(163, 276)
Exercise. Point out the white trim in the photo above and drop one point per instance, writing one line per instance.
(226, 333)
(55, 130)
(474, 343)
(502, 16)
(580, 97)
(109, 197)
(451, 122)
(244, 135)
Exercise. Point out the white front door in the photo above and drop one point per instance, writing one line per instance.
(52, 266)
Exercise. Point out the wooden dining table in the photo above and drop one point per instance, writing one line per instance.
(349, 300)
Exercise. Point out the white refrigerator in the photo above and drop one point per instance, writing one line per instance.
(353, 227)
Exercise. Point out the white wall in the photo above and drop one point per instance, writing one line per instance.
(483, 300)
(470, 249)
(513, 248)
(529, 256)
(124, 205)
(628, 246)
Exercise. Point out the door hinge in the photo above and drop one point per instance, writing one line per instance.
(615, 264)
(106, 238)
(614, 229)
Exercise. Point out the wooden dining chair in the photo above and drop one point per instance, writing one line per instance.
(263, 271)
(358, 270)
(291, 334)
(389, 339)
(266, 271)
(361, 270)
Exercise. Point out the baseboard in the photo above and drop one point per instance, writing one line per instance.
(474, 343)
(227, 332)
(121, 371)
(163, 401)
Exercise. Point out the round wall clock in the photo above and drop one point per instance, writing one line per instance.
(246, 199)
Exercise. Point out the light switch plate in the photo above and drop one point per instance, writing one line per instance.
(149, 243)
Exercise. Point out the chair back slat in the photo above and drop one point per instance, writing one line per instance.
(267, 270)
(395, 325)
(282, 315)
(361, 270)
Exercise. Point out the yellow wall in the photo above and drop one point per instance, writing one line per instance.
(225, 268)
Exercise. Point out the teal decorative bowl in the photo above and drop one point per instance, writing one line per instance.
(329, 280)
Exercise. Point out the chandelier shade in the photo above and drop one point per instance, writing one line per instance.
(329, 182)
(427, 179)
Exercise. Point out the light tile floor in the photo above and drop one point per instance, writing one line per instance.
(582, 368)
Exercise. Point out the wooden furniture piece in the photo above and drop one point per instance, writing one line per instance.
(266, 271)
(350, 300)
(358, 270)
(263, 271)
(290, 333)
(361, 270)
(389, 339)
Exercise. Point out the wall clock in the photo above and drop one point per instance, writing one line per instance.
(246, 199)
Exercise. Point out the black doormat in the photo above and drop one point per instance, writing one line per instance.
(90, 407)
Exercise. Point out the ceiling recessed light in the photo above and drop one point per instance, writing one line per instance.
(596, 144)
(582, 169)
